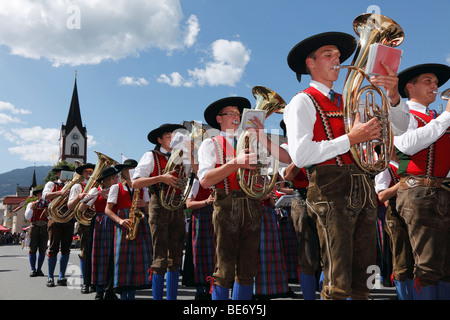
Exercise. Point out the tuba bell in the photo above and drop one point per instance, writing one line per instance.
(58, 209)
(258, 183)
(371, 28)
(84, 217)
(174, 198)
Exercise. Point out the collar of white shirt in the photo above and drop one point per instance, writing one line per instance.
(321, 87)
(416, 106)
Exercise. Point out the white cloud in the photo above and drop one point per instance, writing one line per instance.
(92, 31)
(7, 109)
(132, 81)
(229, 59)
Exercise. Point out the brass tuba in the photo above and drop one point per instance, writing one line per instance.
(258, 183)
(174, 198)
(136, 215)
(58, 209)
(371, 28)
(103, 161)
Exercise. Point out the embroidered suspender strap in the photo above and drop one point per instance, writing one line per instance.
(220, 158)
(158, 162)
(394, 178)
(431, 150)
(326, 124)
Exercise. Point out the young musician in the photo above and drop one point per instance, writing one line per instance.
(132, 257)
(75, 195)
(60, 234)
(236, 218)
(340, 196)
(167, 226)
(36, 213)
(424, 162)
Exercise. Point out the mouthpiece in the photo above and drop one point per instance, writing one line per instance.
(235, 122)
(436, 92)
(336, 67)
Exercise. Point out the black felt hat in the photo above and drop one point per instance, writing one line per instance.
(129, 163)
(297, 56)
(441, 71)
(107, 172)
(158, 132)
(80, 169)
(37, 190)
(213, 109)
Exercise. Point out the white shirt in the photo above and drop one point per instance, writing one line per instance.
(146, 165)
(114, 193)
(75, 191)
(300, 117)
(28, 212)
(207, 153)
(48, 188)
(417, 139)
(383, 179)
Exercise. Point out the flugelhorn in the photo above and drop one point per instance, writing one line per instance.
(174, 198)
(259, 182)
(371, 28)
(85, 216)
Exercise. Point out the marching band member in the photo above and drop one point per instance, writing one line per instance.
(132, 258)
(36, 213)
(167, 226)
(60, 234)
(424, 161)
(200, 202)
(102, 245)
(76, 194)
(236, 218)
(386, 187)
(317, 140)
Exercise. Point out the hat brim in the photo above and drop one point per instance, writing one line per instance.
(80, 169)
(296, 59)
(213, 109)
(158, 132)
(441, 71)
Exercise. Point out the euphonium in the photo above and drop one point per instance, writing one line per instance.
(58, 209)
(174, 198)
(258, 183)
(136, 215)
(371, 28)
(103, 161)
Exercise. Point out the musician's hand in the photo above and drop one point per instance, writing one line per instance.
(389, 82)
(362, 132)
(258, 129)
(81, 196)
(170, 179)
(247, 160)
(104, 193)
(126, 223)
(64, 192)
(141, 203)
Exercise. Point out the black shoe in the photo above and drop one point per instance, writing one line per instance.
(85, 289)
(99, 296)
(39, 273)
(50, 283)
(62, 282)
(110, 295)
(33, 274)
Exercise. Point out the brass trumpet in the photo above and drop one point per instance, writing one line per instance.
(258, 183)
(445, 95)
(371, 28)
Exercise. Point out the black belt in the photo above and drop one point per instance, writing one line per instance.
(300, 192)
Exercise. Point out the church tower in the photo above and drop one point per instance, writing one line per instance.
(73, 136)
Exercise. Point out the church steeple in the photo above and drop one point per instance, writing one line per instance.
(73, 138)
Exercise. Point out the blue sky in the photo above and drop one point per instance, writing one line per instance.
(142, 63)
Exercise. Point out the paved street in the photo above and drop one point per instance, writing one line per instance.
(15, 283)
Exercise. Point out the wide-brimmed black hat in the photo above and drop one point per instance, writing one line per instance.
(37, 190)
(213, 109)
(129, 163)
(61, 167)
(297, 56)
(80, 169)
(107, 172)
(441, 71)
(158, 132)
